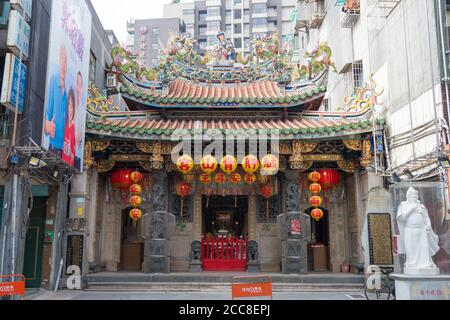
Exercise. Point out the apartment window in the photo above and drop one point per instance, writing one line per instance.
(155, 30)
(155, 46)
(5, 8)
(237, 14)
(214, 12)
(188, 12)
(259, 8)
(228, 13)
(202, 31)
(202, 16)
(237, 1)
(228, 29)
(246, 12)
(247, 42)
(354, 76)
(238, 28)
(358, 74)
(238, 43)
(92, 67)
(259, 22)
(155, 62)
(326, 105)
(214, 26)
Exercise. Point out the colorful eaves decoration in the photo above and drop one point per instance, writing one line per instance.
(223, 78)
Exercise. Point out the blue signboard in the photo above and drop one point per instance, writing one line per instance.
(10, 83)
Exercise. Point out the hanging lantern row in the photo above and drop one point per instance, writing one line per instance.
(316, 201)
(136, 199)
(269, 164)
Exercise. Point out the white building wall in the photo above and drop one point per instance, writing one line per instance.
(397, 52)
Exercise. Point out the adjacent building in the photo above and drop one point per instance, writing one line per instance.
(146, 36)
(400, 48)
(41, 237)
(241, 20)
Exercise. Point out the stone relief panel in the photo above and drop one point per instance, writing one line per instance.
(292, 197)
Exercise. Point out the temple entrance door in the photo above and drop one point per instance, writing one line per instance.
(225, 230)
(225, 216)
(320, 246)
(132, 248)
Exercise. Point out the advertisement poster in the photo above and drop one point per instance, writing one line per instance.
(67, 81)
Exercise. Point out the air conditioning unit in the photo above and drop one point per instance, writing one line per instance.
(111, 81)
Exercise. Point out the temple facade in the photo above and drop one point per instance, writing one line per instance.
(213, 109)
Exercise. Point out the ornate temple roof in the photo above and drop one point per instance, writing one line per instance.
(311, 125)
(266, 79)
(165, 101)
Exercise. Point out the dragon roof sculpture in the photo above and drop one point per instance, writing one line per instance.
(222, 78)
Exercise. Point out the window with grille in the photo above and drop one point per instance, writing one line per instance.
(326, 105)
(358, 74)
(354, 76)
(92, 67)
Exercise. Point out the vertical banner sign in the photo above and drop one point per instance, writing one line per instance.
(18, 34)
(67, 81)
(10, 79)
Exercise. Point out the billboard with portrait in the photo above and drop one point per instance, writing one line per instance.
(67, 81)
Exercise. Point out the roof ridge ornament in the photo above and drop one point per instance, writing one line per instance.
(364, 99)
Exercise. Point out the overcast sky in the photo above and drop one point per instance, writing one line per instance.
(114, 14)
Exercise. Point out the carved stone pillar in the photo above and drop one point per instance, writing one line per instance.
(198, 217)
(159, 226)
(252, 202)
(294, 242)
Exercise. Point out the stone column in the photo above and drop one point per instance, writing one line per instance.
(198, 217)
(294, 243)
(159, 226)
(294, 246)
(252, 217)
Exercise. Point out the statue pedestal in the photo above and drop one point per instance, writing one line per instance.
(423, 287)
(195, 267)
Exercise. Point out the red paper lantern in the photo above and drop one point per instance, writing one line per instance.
(250, 164)
(228, 164)
(315, 188)
(183, 189)
(135, 214)
(317, 214)
(136, 177)
(270, 165)
(205, 178)
(220, 178)
(185, 164)
(250, 178)
(121, 179)
(236, 178)
(135, 189)
(209, 164)
(267, 190)
(314, 176)
(329, 179)
(316, 201)
(135, 201)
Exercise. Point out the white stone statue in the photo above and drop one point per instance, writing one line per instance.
(417, 239)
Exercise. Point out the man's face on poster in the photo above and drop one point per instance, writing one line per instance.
(63, 65)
